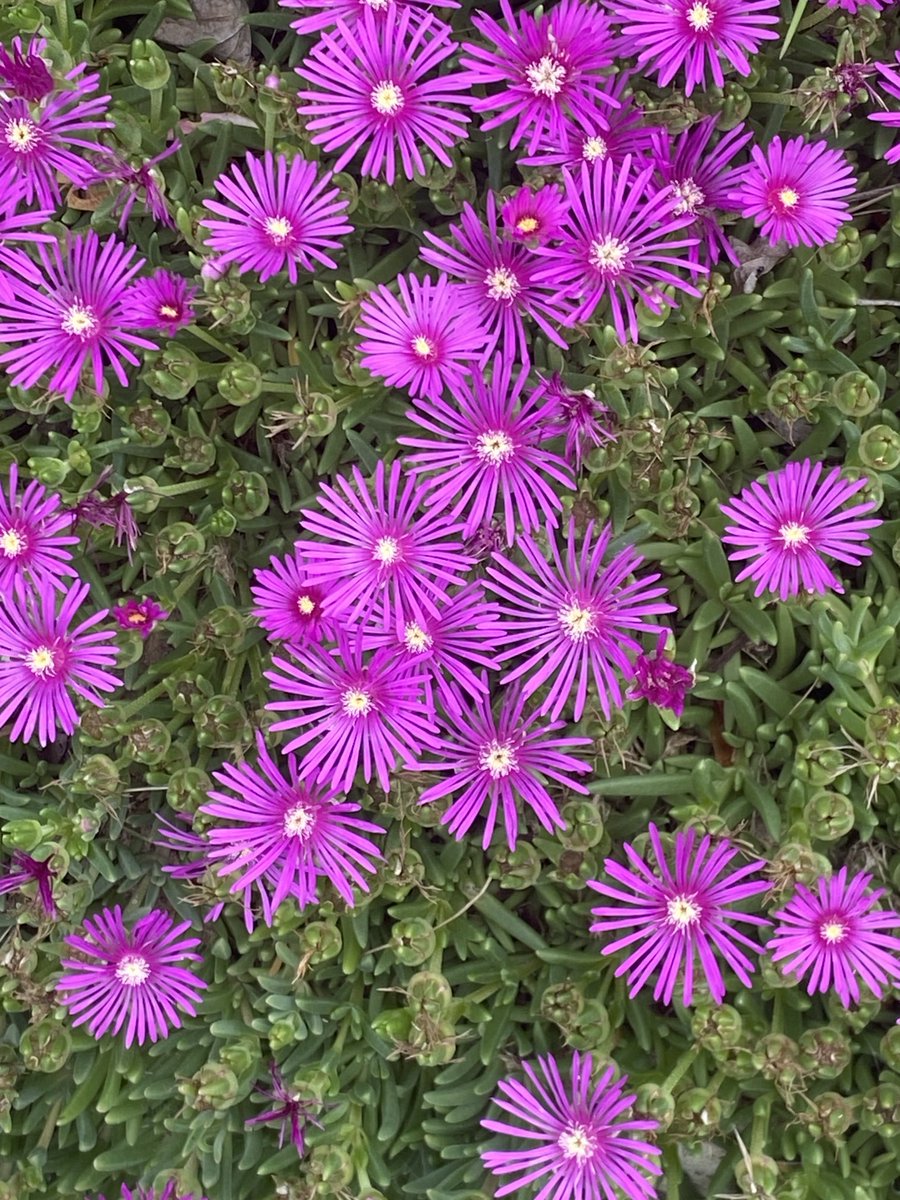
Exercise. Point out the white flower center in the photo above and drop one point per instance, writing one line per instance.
(416, 639)
(498, 759)
(576, 1142)
(609, 254)
(423, 347)
(41, 661)
(690, 197)
(22, 135)
(378, 5)
(577, 621)
(682, 911)
(80, 320)
(700, 17)
(133, 970)
(793, 535)
(299, 821)
(386, 98)
(546, 76)
(494, 447)
(386, 551)
(502, 284)
(833, 931)
(306, 606)
(168, 310)
(278, 230)
(356, 702)
(594, 148)
(788, 197)
(12, 543)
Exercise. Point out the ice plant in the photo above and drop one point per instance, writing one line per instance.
(140, 615)
(35, 532)
(785, 527)
(371, 92)
(835, 938)
(890, 83)
(76, 318)
(142, 1193)
(270, 827)
(26, 870)
(287, 604)
(661, 681)
(110, 167)
(501, 282)
(486, 445)
(534, 217)
(25, 72)
(161, 301)
(291, 1110)
(379, 552)
(694, 36)
(131, 978)
(351, 711)
(680, 921)
(422, 340)
(276, 215)
(325, 14)
(114, 511)
(550, 70)
(581, 418)
(181, 839)
(617, 244)
(45, 659)
(796, 191)
(579, 1137)
(494, 759)
(22, 228)
(572, 619)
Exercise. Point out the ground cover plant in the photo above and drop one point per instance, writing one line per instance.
(449, 544)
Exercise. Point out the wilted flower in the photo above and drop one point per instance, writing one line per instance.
(32, 544)
(30, 870)
(140, 615)
(142, 1193)
(161, 301)
(661, 681)
(290, 1110)
(579, 416)
(25, 73)
(115, 511)
(112, 167)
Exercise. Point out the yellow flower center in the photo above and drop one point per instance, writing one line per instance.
(527, 225)
(494, 447)
(306, 606)
(356, 702)
(12, 543)
(298, 821)
(502, 284)
(788, 197)
(546, 76)
(833, 931)
(423, 347)
(133, 970)
(699, 17)
(79, 320)
(577, 621)
(609, 254)
(594, 148)
(22, 135)
(682, 911)
(386, 551)
(386, 98)
(575, 1142)
(168, 310)
(498, 759)
(278, 230)
(793, 535)
(41, 661)
(690, 197)
(136, 618)
(416, 639)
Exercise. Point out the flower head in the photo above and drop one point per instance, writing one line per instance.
(25, 73)
(661, 681)
(325, 14)
(142, 1193)
(112, 168)
(573, 618)
(290, 1110)
(796, 191)
(371, 92)
(114, 512)
(579, 1138)
(43, 660)
(278, 214)
(140, 615)
(837, 938)
(681, 919)
(890, 83)
(161, 301)
(534, 218)
(581, 418)
(286, 603)
(131, 978)
(423, 340)
(28, 870)
(786, 526)
(32, 542)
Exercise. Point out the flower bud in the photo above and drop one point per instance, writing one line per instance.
(148, 741)
(45, 1046)
(430, 993)
(584, 825)
(150, 422)
(214, 1087)
(221, 524)
(824, 1052)
(51, 472)
(175, 372)
(818, 762)
(178, 546)
(651, 1101)
(777, 1058)
(143, 496)
(828, 816)
(716, 1029)
(833, 1116)
(97, 776)
(222, 723)
(240, 383)
(880, 1110)
(413, 941)
(515, 869)
(25, 18)
(562, 1003)
(330, 1165)
(196, 453)
(223, 629)
(286, 1032)
(230, 86)
(188, 789)
(148, 65)
(321, 940)
(756, 1177)
(845, 251)
(592, 1029)
(879, 448)
(697, 1113)
(855, 394)
(245, 495)
(736, 106)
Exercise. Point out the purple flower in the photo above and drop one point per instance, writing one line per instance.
(23, 227)
(502, 283)
(837, 937)
(268, 827)
(371, 93)
(379, 552)
(679, 921)
(181, 839)
(43, 659)
(290, 1110)
(131, 976)
(161, 301)
(580, 418)
(142, 1193)
(580, 1138)
(111, 167)
(114, 512)
(493, 760)
(286, 603)
(786, 526)
(534, 218)
(325, 14)
(796, 191)
(140, 615)
(693, 35)
(855, 6)
(285, 213)
(422, 341)
(351, 713)
(32, 544)
(616, 243)
(487, 445)
(77, 316)
(661, 681)
(29, 870)
(572, 617)
(890, 82)
(25, 72)
(550, 69)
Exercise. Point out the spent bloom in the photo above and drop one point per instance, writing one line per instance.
(286, 603)
(486, 446)
(422, 340)
(139, 1192)
(836, 938)
(132, 978)
(111, 168)
(581, 418)
(161, 301)
(494, 759)
(141, 615)
(572, 618)
(669, 36)
(24, 72)
(33, 544)
(44, 660)
(796, 191)
(786, 526)
(534, 217)
(325, 14)
(26, 870)
(661, 681)
(277, 214)
(680, 920)
(371, 92)
(579, 1137)
(290, 1110)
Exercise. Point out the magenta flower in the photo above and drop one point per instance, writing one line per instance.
(24, 228)
(181, 839)
(27, 870)
(572, 618)
(550, 69)
(140, 615)
(112, 168)
(43, 659)
(379, 552)
(890, 83)
(423, 340)
(694, 36)
(287, 604)
(142, 1193)
(679, 921)
(579, 417)
(786, 526)
(269, 827)
(580, 1137)
(77, 316)
(131, 976)
(502, 283)
(796, 191)
(534, 218)
(114, 512)
(290, 1110)
(26, 73)
(371, 93)
(285, 213)
(325, 14)
(352, 712)
(161, 301)
(32, 545)
(837, 937)
(487, 445)
(855, 6)
(617, 244)
(493, 760)
(661, 681)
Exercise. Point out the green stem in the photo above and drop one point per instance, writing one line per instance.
(212, 341)
(681, 1068)
(144, 699)
(760, 1129)
(62, 13)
